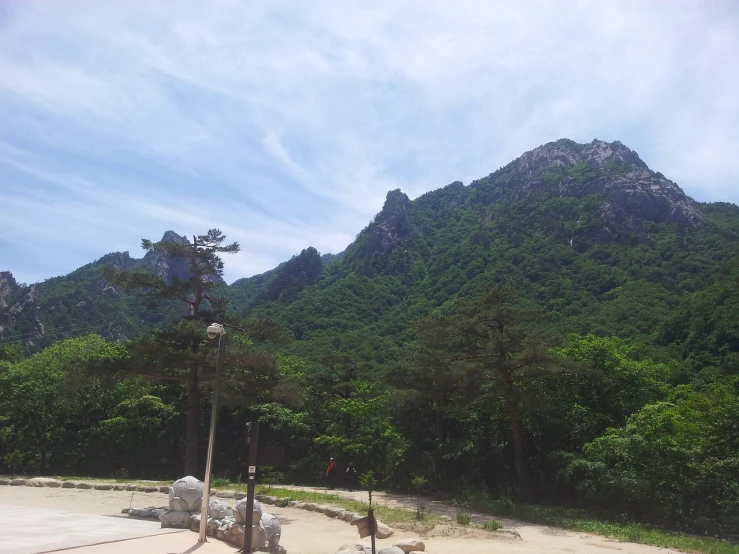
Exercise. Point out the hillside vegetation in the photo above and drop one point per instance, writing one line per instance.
(563, 331)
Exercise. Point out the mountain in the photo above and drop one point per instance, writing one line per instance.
(83, 302)
(587, 231)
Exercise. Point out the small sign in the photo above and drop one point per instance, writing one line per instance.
(252, 469)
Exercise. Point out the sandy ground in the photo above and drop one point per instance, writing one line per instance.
(306, 532)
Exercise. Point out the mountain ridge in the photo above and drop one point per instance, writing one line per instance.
(578, 195)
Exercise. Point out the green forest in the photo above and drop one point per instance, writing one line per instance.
(505, 341)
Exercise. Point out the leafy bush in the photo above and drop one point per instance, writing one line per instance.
(463, 518)
(492, 525)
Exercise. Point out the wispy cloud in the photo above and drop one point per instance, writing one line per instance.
(285, 124)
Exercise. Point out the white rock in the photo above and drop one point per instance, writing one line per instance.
(383, 531)
(17, 482)
(511, 532)
(173, 518)
(219, 509)
(390, 550)
(410, 545)
(186, 495)
(43, 482)
(333, 511)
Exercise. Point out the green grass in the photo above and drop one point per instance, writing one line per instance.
(579, 520)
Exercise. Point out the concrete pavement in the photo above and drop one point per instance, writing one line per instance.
(28, 530)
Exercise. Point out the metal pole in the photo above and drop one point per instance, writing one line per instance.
(246, 547)
(371, 514)
(212, 437)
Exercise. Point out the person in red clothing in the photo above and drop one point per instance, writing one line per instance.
(331, 474)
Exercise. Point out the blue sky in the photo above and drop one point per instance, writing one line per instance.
(285, 123)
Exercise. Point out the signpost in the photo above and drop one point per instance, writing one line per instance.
(253, 441)
(267, 455)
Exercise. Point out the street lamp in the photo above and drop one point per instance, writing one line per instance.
(214, 330)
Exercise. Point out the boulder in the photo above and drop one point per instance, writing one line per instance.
(310, 506)
(17, 482)
(225, 494)
(43, 482)
(5, 482)
(296, 504)
(390, 550)
(411, 545)
(84, 485)
(69, 484)
(347, 515)
(269, 499)
(103, 487)
(239, 512)
(176, 519)
(383, 531)
(186, 495)
(152, 489)
(238, 495)
(131, 487)
(511, 532)
(219, 510)
(164, 489)
(148, 513)
(322, 508)
(333, 511)
(119, 487)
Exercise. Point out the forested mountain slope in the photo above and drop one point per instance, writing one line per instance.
(588, 232)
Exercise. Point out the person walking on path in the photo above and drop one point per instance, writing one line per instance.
(351, 477)
(331, 474)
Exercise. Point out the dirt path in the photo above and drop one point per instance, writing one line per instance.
(312, 533)
(535, 538)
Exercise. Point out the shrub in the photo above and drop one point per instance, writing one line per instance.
(492, 525)
(463, 518)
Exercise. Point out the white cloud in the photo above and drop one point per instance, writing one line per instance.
(286, 123)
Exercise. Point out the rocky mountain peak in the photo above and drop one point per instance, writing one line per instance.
(8, 287)
(565, 152)
(632, 193)
(119, 260)
(171, 236)
(396, 205)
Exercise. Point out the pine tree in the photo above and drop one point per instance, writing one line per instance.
(183, 361)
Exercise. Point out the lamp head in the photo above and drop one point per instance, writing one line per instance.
(214, 329)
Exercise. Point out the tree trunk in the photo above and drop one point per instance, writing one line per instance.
(518, 440)
(440, 428)
(193, 408)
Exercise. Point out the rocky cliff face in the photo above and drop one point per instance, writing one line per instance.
(631, 192)
(19, 321)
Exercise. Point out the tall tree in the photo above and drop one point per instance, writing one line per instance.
(202, 257)
(493, 336)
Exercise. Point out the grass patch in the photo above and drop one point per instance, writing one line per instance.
(492, 525)
(580, 520)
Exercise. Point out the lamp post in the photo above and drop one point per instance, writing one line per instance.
(214, 330)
